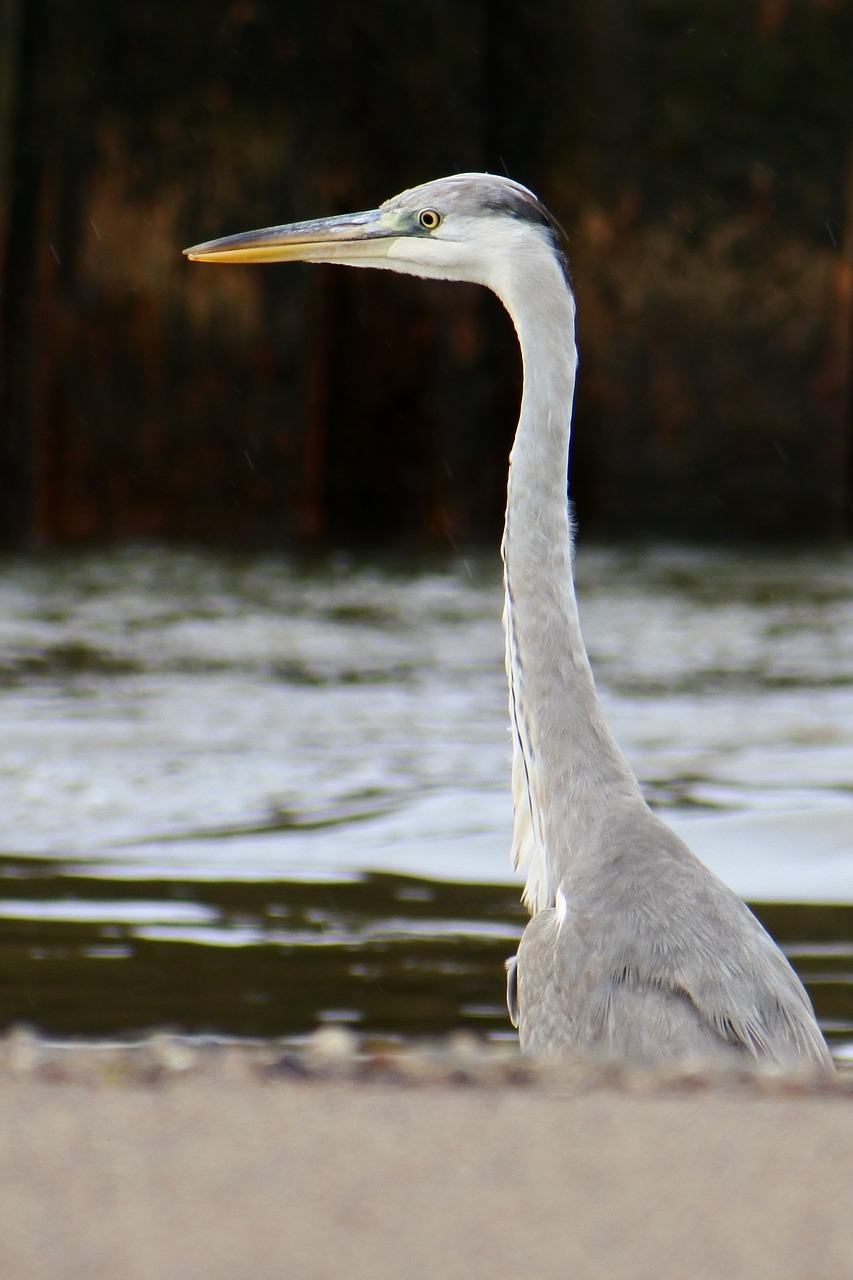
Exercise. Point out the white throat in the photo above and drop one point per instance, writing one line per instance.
(561, 744)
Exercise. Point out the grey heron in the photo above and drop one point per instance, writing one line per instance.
(635, 950)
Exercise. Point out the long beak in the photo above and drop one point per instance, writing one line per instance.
(348, 238)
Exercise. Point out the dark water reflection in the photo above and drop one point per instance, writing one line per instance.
(386, 954)
(382, 953)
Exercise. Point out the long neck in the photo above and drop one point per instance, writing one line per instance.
(566, 765)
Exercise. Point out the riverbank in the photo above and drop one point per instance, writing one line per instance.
(176, 1160)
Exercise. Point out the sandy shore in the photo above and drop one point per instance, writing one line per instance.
(176, 1162)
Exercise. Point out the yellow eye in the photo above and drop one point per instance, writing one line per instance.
(429, 219)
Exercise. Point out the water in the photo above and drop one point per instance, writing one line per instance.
(248, 795)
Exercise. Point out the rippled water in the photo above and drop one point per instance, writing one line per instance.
(247, 795)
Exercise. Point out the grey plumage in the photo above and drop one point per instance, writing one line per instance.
(635, 950)
(649, 957)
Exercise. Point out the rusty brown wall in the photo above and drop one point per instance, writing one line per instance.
(699, 155)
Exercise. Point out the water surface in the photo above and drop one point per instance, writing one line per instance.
(246, 795)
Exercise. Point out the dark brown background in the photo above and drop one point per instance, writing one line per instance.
(700, 155)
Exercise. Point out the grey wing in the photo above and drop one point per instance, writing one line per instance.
(675, 967)
(512, 989)
(562, 1005)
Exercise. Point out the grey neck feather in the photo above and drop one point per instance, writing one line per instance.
(566, 763)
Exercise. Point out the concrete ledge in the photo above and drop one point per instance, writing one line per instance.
(179, 1160)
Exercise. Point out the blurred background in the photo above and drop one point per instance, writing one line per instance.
(254, 763)
(699, 155)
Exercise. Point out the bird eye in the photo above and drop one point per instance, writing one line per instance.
(429, 219)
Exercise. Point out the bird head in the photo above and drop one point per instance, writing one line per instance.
(467, 227)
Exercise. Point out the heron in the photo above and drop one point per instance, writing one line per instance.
(635, 951)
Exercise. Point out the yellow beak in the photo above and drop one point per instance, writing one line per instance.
(340, 239)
